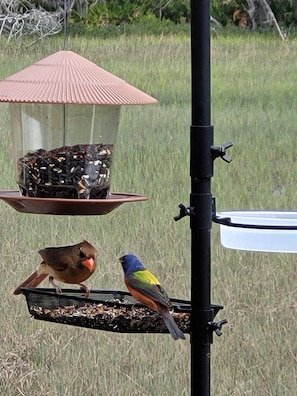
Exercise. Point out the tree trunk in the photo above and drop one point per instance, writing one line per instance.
(252, 13)
(262, 15)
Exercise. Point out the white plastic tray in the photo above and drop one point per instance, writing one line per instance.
(253, 235)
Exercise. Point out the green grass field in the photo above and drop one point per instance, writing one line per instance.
(254, 101)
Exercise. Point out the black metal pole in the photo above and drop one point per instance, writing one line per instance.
(201, 171)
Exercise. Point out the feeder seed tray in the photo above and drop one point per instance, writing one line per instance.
(65, 206)
(108, 310)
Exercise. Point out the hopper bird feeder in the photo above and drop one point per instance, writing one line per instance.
(65, 113)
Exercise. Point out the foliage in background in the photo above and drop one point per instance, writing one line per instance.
(223, 10)
(284, 11)
(113, 17)
(117, 12)
(152, 13)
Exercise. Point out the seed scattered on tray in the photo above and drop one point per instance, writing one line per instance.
(111, 318)
(80, 171)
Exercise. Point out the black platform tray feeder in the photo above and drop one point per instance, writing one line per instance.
(108, 310)
(65, 113)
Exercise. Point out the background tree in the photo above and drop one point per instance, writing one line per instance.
(37, 18)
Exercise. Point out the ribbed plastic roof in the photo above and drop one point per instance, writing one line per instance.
(66, 77)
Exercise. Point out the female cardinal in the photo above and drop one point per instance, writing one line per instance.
(146, 288)
(68, 264)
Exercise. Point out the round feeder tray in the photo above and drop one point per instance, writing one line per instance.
(107, 310)
(65, 206)
(263, 231)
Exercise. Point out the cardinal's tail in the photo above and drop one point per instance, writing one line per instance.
(32, 281)
(171, 325)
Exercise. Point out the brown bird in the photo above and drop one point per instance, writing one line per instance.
(69, 264)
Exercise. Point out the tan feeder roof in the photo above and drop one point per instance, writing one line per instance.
(66, 77)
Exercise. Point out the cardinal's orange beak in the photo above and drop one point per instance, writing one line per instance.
(90, 264)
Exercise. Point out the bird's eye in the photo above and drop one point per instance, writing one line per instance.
(81, 254)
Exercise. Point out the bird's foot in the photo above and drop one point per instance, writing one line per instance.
(57, 287)
(85, 288)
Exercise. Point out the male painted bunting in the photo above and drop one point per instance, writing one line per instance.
(69, 264)
(146, 288)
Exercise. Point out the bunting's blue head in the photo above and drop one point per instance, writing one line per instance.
(131, 263)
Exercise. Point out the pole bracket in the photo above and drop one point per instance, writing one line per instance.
(183, 211)
(217, 326)
(220, 151)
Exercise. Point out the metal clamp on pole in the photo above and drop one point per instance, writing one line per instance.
(184, 212)
(217, 326)
(220, 151)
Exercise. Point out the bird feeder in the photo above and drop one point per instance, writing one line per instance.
(258, 231)
(65, 113)
(108, 310)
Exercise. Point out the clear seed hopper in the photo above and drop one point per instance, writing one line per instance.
(65, 113)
